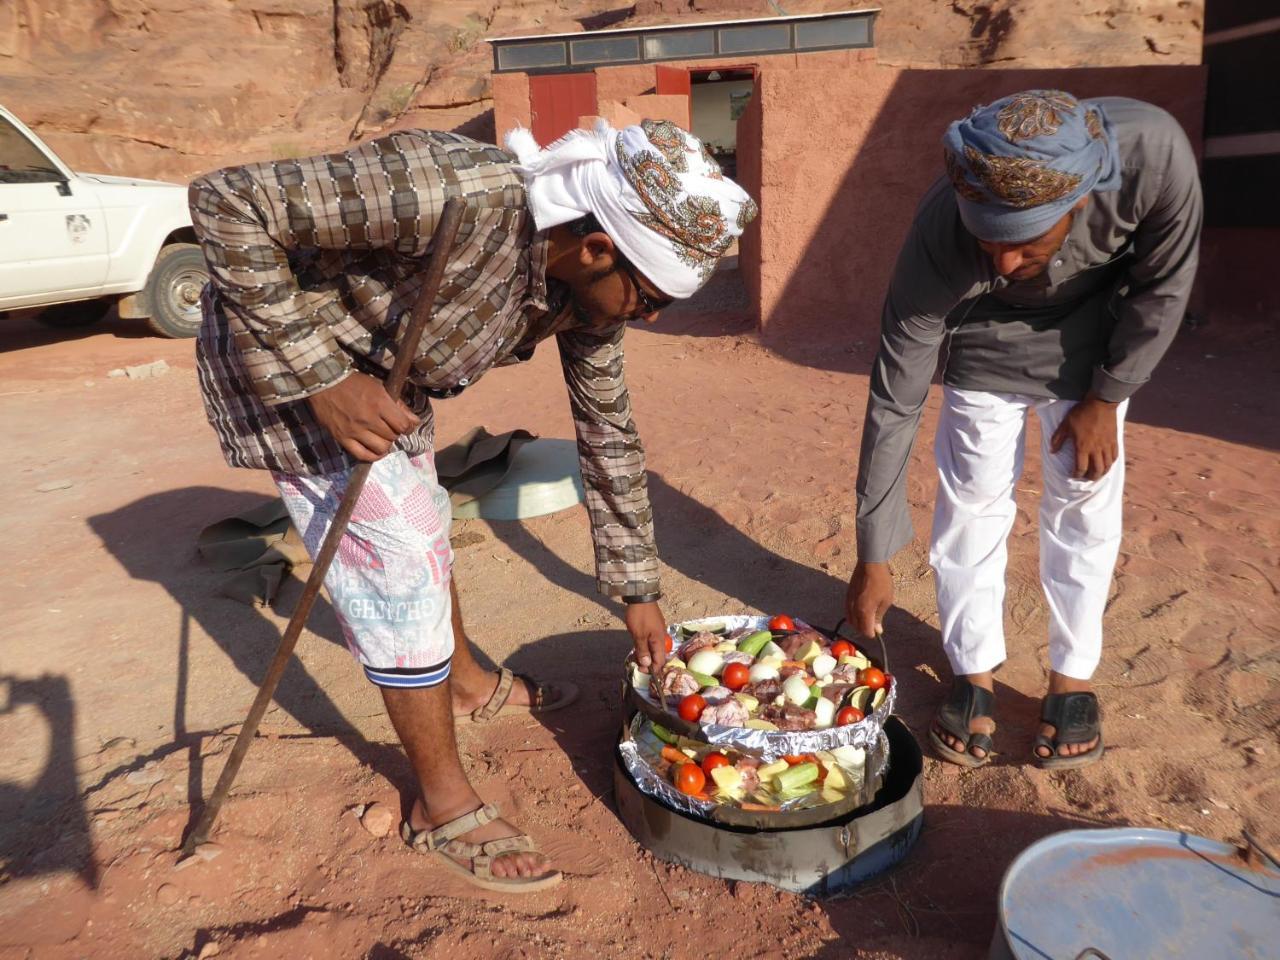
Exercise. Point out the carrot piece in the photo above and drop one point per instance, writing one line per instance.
(672, 755)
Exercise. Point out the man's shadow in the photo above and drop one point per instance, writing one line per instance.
(44, 827)
(154, 540)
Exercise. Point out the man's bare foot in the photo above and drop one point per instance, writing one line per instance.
(1060, 684)
(507, 865)
(978, 725)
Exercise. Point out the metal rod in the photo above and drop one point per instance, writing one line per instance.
(441, 244)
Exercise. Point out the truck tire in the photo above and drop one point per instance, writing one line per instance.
(173, 290)
(67, 316)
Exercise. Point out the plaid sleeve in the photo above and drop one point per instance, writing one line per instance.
(612, 459)
(249, 219)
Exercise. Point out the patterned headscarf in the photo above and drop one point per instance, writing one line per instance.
(1019, 164)
(654, 189)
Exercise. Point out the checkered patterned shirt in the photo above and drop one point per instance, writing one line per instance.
(316, 262)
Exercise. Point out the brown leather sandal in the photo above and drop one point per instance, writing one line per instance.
(443, 843)
(497, 705)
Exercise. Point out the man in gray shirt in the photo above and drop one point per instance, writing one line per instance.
(1054, 263)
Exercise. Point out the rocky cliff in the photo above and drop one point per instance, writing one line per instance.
(173, 87)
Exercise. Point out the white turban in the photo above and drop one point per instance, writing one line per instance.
(654, 189)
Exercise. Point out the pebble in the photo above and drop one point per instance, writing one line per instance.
(53, 485)
(204, 853)
(378, 820)
(167, 894)
(210, 949)
(146, 371)
(146, 775)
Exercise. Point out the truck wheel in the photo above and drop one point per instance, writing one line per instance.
(67, 316)
(173, 290)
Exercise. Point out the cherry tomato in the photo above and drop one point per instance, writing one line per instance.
(736, 676)
(690, 779)
(782, 624)
(713, 760)
(843, 648)
(670, 645)
(848, 715)
(691, 708)
(873, 678)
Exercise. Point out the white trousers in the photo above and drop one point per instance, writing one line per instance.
(980, 449)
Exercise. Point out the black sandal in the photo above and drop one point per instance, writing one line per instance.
(965, 702)
(1075, 718)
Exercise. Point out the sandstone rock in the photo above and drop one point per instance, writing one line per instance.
(203, 854)
(147, 775)
(147, 371)
(378, 820)
(167, 894)
(173, 88)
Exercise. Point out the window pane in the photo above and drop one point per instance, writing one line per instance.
(605, 49)
(847, 32)
(755, 39)
(21, 160)
(680, 44)
(528, 55)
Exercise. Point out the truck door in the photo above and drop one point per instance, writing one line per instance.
(53, 237)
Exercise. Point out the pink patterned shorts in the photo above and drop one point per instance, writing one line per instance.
(389, 582)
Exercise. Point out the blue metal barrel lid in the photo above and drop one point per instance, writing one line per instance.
(1138, 894)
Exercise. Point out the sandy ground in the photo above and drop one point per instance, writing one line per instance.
(123, 673)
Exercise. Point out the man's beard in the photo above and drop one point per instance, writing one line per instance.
(586, 306)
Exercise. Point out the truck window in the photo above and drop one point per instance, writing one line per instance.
(21, 161)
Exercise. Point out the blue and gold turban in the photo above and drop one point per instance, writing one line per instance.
(1019, 164)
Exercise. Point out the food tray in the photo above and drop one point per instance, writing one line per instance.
(824, 860)
(637, 743)
(769, 745)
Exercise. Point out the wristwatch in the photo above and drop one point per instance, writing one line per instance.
(643, 598)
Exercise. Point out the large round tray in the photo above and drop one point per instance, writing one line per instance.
(767, 745)
(828, 859)
(649, 782)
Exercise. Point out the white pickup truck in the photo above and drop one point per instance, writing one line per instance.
(72, 243)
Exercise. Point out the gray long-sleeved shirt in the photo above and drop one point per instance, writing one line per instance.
(1099, 318)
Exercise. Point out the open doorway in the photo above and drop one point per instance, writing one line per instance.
(717, 99)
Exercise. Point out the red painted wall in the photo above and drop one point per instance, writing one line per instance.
(556, 101)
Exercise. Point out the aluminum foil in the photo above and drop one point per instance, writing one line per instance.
(641, 743)
(769, 745)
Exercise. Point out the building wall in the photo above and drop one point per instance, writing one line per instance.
(750, 151)
(619, 84)
(1242, 160)
(510, 102)
(838, 149)
(836, 206)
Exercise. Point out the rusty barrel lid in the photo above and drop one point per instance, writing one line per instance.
(1137, 892)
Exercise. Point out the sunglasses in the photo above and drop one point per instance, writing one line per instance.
(648, 305)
